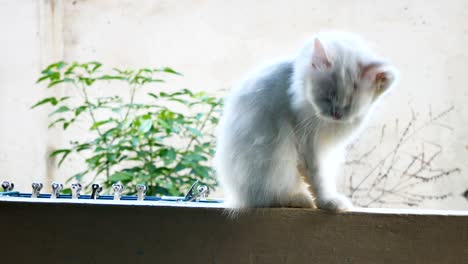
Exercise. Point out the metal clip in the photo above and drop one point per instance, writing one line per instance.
(96, 190)
(56, 188)
(8, 186)
(202, 192)
(141, 192)
(36, 189)
(118, 189)
(76, 189)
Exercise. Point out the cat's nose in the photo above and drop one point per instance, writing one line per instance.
(337, 114)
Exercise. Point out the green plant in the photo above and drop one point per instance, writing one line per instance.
(164, 144)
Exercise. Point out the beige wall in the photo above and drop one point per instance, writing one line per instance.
(23, 136)
(215, 42)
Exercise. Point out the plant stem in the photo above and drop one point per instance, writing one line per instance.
(132, 99)
(88, 102)
(200, 128)
(93, 117)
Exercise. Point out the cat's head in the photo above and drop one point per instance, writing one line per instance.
(345, 85)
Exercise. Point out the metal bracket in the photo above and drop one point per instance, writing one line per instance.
(76, 189)
(8, 186)
(141, 192)
(118, 189)
(96, 190)
(202, 192)
(36, 189)
(56, 188)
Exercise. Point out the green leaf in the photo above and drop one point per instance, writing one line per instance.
(51, 100)
(194, 131)
(57, 66)
(145, 126)
(86, 80)
(214, 120)
(56, 122)
(63, 152)
(66, 191)
(96, 66)
(63, 158)
(166, 184)
(64, 98)
(187, 91)
(164, 124)
(67, 124)
(58, 151)
(122, 158)
(43, 78)
(126, 124)
(111, 157)
(202, 171)
(179, 100)
(168, 155)
(179, 167)
(71, 69)
(199, 116)
(99, 123)
(122, 176)
(80, 110)
(153, 95)
(61, 109)
(82, 147)
(170, 70)
(111, 77)
(95, 160)
(135, 141)
(54, 83)
(194, 157)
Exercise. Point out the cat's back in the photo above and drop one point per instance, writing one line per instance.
(265, 88)
(258, 108)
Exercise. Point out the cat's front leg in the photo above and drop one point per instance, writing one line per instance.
(321, 176)
(335, 202)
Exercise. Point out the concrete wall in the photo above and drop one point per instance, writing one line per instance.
(24, 135)
(215, 42)
(171, 233)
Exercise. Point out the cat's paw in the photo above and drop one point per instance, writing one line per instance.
(334, 203)
(300, 200)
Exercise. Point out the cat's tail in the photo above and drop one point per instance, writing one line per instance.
(233, 212)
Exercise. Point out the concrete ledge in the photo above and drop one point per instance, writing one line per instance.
(56, 232)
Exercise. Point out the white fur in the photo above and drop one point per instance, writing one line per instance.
(271, 129)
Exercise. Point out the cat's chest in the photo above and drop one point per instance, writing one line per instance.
(331, 136)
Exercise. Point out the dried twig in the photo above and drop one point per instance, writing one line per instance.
(391, 180)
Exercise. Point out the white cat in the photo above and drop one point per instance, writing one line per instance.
(285, 128)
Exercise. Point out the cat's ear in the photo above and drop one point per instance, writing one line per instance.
(320, 59)
(380, 74)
